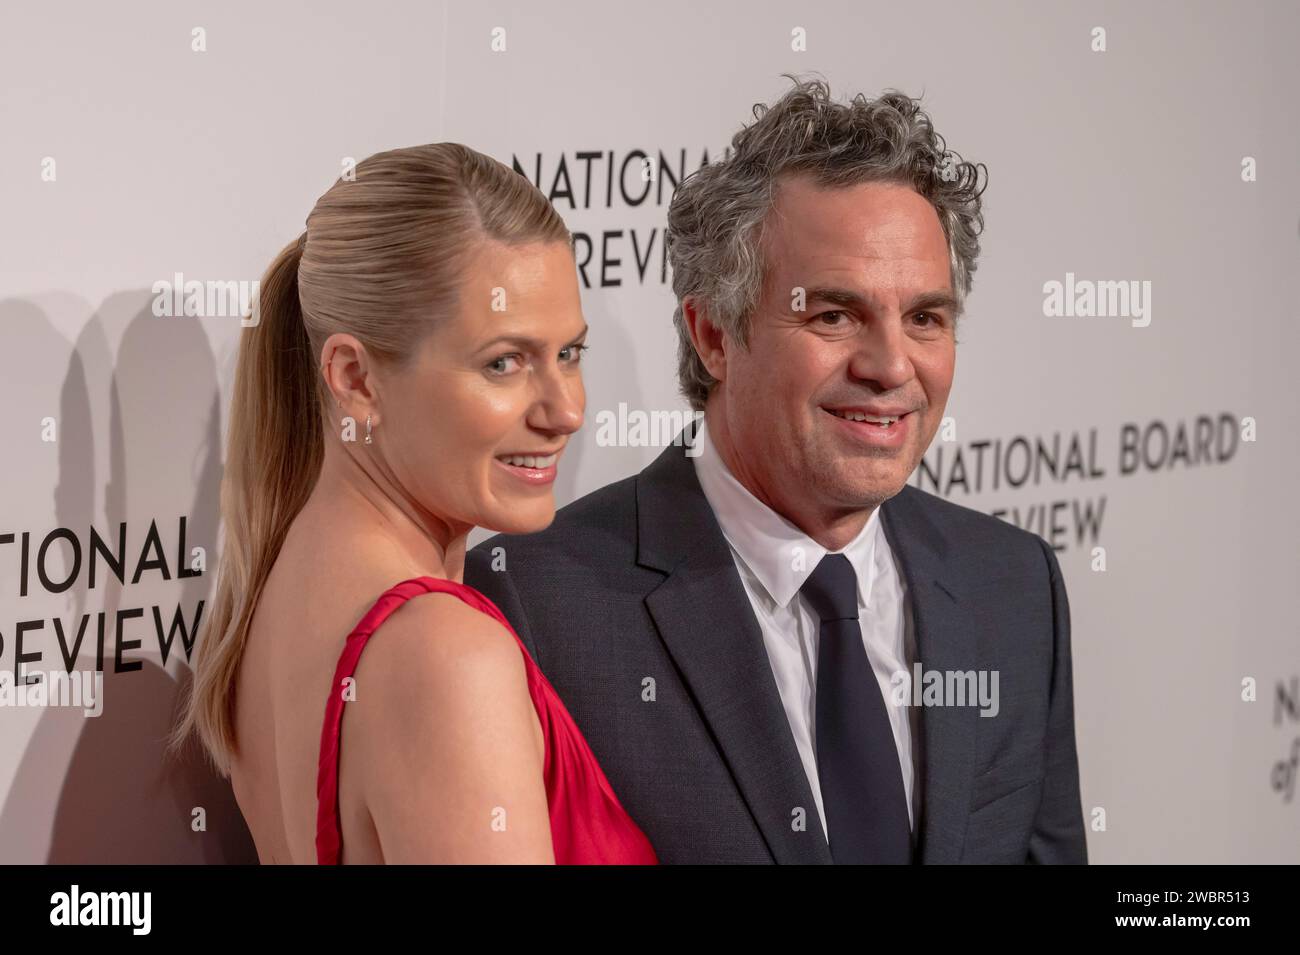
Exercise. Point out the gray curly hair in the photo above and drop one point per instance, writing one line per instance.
(716, 217)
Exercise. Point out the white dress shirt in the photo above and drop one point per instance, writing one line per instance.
(774, 558)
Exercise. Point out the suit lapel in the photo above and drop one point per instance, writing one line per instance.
(945, 642)
(709, 629)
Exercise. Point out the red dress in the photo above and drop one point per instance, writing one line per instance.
(588, 825)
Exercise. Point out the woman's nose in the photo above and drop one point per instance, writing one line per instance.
(562, 405)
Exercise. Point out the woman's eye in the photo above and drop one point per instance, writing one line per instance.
(497, 365)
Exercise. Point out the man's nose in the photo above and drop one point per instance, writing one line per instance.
(881, 355)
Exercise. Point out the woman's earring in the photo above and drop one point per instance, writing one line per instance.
(368, 441)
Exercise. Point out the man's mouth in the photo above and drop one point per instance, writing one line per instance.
(882, 421)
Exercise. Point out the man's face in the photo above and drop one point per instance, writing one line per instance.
(874, 332)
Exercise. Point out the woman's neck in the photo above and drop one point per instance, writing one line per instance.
(349, 493)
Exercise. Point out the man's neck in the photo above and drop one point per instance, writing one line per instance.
(834, 531)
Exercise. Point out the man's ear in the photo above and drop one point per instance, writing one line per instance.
(707, 338)
(346, 369)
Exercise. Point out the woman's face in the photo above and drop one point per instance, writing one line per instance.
(474, 428)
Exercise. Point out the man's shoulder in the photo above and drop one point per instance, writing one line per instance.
(969, 530)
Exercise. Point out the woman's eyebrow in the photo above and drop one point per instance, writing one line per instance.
(523, 341)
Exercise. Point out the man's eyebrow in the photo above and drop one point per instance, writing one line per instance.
(526, 343)
(934, 299)
(938, 298)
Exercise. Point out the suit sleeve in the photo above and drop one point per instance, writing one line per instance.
(1058, 833)
(499, 588)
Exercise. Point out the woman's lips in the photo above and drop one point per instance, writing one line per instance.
(533, 469)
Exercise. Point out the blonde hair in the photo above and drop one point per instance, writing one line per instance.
(381, 259)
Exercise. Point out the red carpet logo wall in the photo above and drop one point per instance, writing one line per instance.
(607, 179)
(993, 466)
(56, 561)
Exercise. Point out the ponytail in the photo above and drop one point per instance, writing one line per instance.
(273, 456)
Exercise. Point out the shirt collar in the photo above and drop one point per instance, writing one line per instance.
(779, 554)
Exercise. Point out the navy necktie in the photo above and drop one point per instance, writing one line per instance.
(857, 759)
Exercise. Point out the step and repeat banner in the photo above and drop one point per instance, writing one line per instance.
(1123, 384)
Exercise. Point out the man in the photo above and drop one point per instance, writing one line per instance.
(735, 628)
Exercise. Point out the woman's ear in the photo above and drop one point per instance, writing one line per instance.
(347, 371)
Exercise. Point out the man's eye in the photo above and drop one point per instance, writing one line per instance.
(833, 314)
(934, 319)
(577, 351)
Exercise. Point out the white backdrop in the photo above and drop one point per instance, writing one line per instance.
(1169, 157)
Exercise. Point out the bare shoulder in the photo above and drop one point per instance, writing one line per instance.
(442, 717)
(438, 628)
(437, 654)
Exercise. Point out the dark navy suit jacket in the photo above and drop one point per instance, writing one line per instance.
(636, 581)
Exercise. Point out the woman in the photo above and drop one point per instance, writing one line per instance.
(414, 373)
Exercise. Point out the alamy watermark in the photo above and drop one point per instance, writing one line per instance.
(55, 688)
(924, 687)
(178, 298)
(1084, 298)
(130, 909)
(645, 429)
